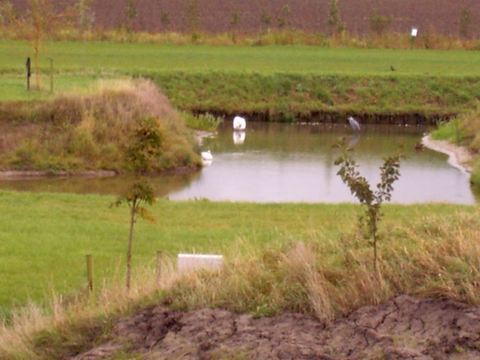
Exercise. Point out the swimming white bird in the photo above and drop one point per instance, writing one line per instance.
(239, 123)
(354, 123)
(207, 155)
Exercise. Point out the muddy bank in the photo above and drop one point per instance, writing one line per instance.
(458, 156)
(402, 328)
(32, 174)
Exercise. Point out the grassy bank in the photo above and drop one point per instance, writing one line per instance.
(75, 132)
(48, 233)
(278, 82)
(279, 257)
(464, 130)
(293, 97)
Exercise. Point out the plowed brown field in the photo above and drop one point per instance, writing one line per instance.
(430, 16)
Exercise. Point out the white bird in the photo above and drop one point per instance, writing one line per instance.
(354, 123)
(207, 155)
(239, 123)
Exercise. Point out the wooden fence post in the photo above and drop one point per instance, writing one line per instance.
(29, 72)
(90, 284)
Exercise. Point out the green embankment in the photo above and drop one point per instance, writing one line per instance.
(275, 82)
(290, 97)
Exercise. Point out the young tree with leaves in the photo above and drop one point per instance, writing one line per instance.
(360, 188)
(141, 153)
(140, 192)
(333, 19)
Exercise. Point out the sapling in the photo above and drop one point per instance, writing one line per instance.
(139, 192)
(360, 188)
(144, 149)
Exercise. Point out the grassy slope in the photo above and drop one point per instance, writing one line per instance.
(49, 235)
(288, 79)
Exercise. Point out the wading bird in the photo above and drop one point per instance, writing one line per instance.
(354, 123)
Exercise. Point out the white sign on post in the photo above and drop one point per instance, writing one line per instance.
(197, 261)
(414, 32)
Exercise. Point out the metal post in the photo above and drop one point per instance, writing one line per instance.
(413, 35)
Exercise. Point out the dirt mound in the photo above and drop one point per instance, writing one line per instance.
(403, 328)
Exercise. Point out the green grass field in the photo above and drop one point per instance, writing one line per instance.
(45, 237)
(104, 56)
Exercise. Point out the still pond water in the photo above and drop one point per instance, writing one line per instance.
(275, 162)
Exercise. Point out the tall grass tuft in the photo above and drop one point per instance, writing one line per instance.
(206, 122)
(332, 277)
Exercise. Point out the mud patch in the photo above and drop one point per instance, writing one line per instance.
(458, 156)
(402, 328)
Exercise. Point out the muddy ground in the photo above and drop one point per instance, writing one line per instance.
(402, 328)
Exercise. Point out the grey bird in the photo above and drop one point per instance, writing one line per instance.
(354, 123)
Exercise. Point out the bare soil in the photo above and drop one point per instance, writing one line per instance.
(402, 328)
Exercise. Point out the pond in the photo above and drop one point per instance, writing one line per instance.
(277, 162)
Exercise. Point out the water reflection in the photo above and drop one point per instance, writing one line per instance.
(239, 137)
(272, 162)
(163, 185)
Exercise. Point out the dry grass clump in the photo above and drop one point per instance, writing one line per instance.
(331, 278)
(77, 133)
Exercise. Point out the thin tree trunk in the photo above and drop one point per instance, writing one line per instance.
(130, 242)
(37, 66)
